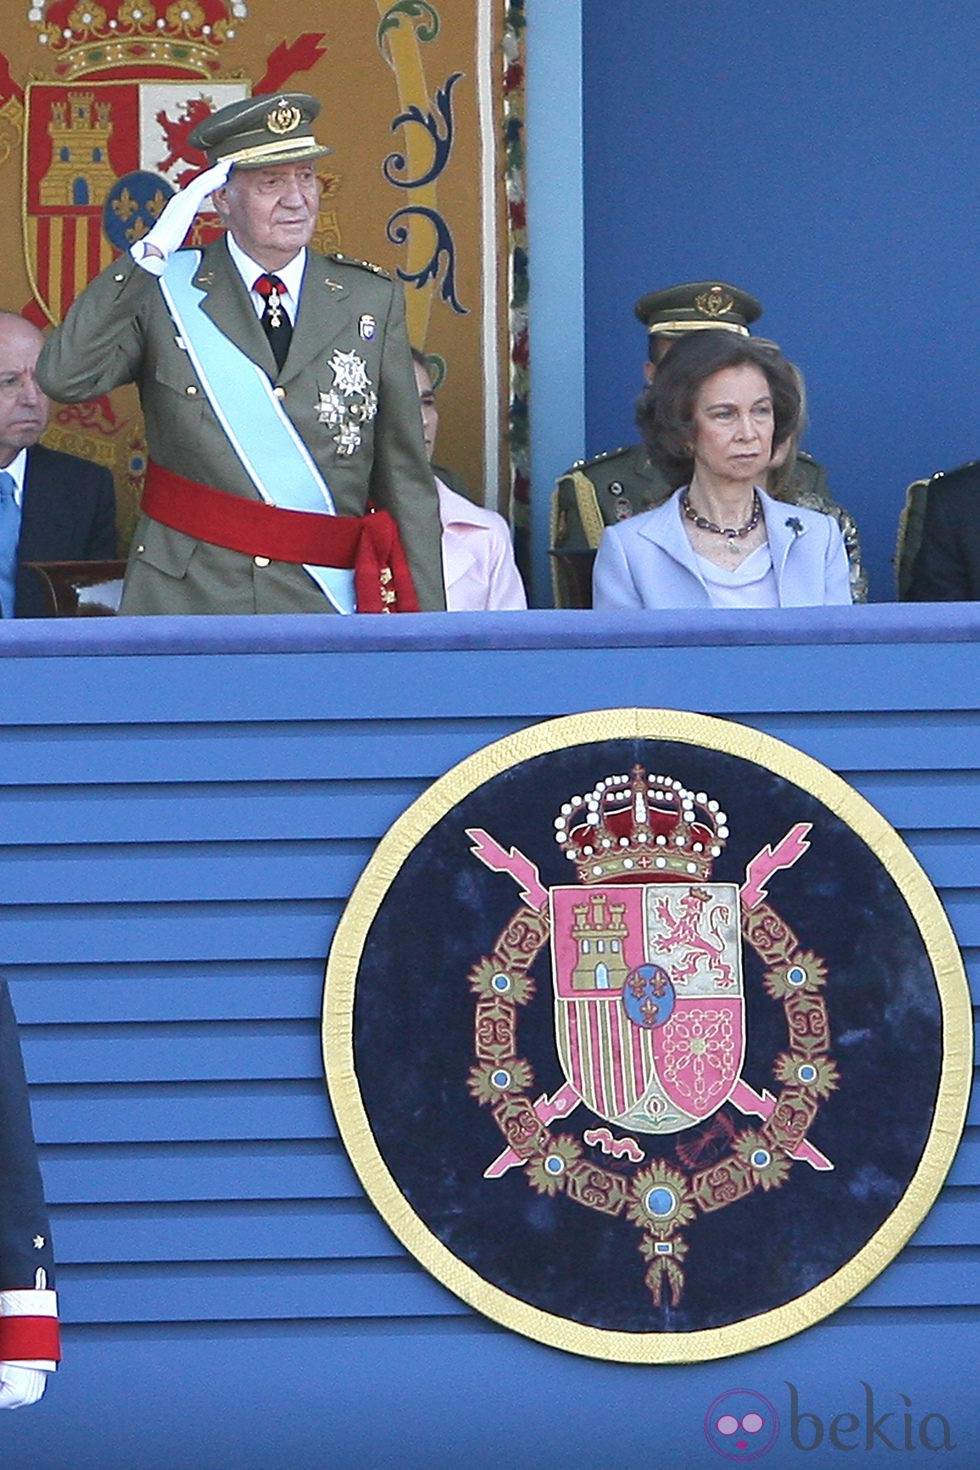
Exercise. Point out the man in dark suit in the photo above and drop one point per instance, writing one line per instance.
(53, 507)
(947, 565)
(277, 389)
(29, 1341)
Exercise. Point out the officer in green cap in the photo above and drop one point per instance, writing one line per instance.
(599, 492)
(287, 471)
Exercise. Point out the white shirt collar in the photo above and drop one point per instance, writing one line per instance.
(291, 276)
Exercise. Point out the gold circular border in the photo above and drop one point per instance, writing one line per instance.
(816, 780)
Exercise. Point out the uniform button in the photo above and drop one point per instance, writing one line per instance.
(119, 276)
(140, 550)
(279, 392)
(260, 561)
(191, 390)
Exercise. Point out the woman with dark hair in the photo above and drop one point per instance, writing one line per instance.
(718, 408)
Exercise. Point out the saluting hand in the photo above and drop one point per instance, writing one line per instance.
(167, 235)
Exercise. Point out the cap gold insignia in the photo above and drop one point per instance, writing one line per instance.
(713, 302)
(283, 119)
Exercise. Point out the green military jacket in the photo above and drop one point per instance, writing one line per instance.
(120, 331)
(598, 492)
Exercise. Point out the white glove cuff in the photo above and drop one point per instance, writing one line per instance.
(155, 264)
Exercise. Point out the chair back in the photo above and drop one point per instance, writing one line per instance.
(909, 537)
(81, 589)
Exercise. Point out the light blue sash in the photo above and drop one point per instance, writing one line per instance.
(261, 434)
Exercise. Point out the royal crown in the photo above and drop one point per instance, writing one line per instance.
(117, 35)
(639, 829)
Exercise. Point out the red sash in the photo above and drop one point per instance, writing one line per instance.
(369, 544)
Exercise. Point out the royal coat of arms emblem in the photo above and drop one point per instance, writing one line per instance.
(106, 141)
(667, 1105)
(649, 1010)
(649, 1006)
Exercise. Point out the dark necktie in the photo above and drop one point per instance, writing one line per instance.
(275, 321)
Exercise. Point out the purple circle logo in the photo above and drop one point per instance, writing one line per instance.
(742, 1425)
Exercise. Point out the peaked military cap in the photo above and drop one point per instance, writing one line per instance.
(697, 305)
(259, 131)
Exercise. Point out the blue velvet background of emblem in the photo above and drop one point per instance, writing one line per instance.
(128, 204)
(413, 1035)
(662, 1005)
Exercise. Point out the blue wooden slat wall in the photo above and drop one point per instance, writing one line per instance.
(184, 809)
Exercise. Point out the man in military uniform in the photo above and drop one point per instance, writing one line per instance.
(277, 389)
(598, 492)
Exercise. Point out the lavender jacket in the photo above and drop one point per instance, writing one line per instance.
(648, 562)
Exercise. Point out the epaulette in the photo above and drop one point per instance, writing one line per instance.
(805, 456)
(365, 265)
(580, 464)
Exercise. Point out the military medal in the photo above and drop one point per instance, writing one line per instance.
(275, 309)
(350, 403)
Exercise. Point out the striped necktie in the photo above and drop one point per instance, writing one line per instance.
(9, 537)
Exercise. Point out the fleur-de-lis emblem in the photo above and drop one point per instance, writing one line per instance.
(125, 206)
